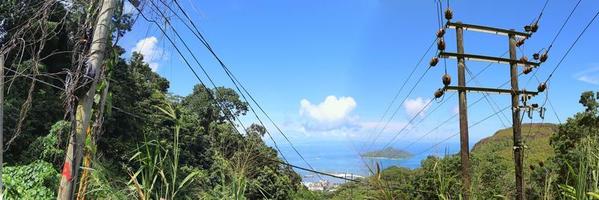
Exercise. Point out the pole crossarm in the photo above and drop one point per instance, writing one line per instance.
(486, 29)
(483, 58)
(495, 90)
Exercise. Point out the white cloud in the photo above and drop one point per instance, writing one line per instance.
(413, 106)
(330, 114)
(590, 76)
(148, 47)
(590, 79)
(330, 110)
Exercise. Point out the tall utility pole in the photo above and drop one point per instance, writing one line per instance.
(516, 119)
(515, 39)
(83, 113)
(463, 111)
(1, 122)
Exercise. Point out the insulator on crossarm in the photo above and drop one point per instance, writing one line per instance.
(520, 42)
(535, 56)
(523, 59)
(448, 14)
(534, 27)
(542, 87)
(440, 33)
(527, 70)
(446, 80)
(441, 44)
(439, 93)
(544, 57)
(434, 61)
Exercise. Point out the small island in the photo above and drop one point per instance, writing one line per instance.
(388, 153)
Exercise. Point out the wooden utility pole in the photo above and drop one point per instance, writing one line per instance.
(514, 91)
(1, 122)
(516, 126)
(463, 111)
(83, 113)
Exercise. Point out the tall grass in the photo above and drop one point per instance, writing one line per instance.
(585, 176)
(157, 176)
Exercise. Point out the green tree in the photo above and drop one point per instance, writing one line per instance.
(570, 134)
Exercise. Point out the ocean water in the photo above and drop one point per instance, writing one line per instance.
(341, 157)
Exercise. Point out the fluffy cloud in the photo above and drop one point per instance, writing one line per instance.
(413, 106)
(330, 110)
(590, 76)
(330, 114)
(148, 47)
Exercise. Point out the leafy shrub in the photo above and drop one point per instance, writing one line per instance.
(38, 180)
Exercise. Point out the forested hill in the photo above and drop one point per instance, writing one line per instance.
(492, 170)
(536, 138)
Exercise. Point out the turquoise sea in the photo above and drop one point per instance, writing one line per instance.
(339, 157)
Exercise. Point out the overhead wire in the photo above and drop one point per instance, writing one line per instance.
(224, 109)
(472, 78)
(62, 89)
(379, 132)
(139, 117)
(455, 115)
(557, 34)
(236, 82)
(572, 46)
(563, 25)
(438, 8)
(490, 101)
(455, 134)
(409, 122)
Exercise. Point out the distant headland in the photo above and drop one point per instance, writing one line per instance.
(388, 153)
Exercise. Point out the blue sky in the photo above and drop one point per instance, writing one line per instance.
(326, 70)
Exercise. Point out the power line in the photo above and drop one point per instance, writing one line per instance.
(399, 107)
(473, 77)
(490, 101)
(563, 25)
(62, 89)
(406, 126)
(224, 109)
(541, 13)
(314, 171)
(235, 81)
(441, 124)
(399, 92)
(439, 10)
(455, 115)
(571, 46)
(451, 136)
(548, 100)
(556, 35)
(232, 77)
(137, 116)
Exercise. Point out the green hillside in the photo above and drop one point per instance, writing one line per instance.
(535, 137)
(492, 157)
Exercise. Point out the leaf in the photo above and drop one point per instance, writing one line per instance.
(135, 156)
(593, 195)
(188, 178)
